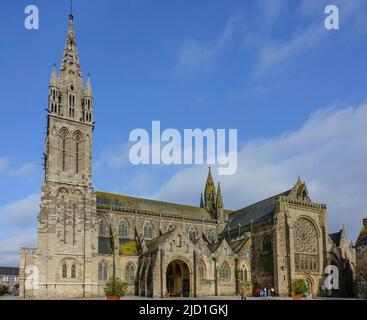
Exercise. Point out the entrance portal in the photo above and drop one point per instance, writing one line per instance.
(178, 279)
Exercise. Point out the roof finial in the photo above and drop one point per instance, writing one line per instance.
(71, 9)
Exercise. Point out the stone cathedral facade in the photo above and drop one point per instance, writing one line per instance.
(162, 249)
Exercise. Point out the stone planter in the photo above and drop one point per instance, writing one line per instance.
(296, 296)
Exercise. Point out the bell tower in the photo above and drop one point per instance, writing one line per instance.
(67, 237)
(70, 120)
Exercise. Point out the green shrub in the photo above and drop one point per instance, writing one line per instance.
(3, 289)
(299, 286)
(119, 290)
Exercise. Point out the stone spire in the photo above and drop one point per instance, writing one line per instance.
(53, 79)
(88, 88)
(210, 193)
(219, 213)
(70, 70)
(219, 197)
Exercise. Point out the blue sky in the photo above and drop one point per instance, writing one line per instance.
(295, 91)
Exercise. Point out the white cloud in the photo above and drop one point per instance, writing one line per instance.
(23, 170)
(21, 212)
(115, 157)
(10, 247)
(328, 151)
(196, 55)
(4, 163)
(18, 228)
(309, 32)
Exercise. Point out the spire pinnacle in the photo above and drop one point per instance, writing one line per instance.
(70, 66)
(53, 80)
(71, 9)
(210, 193)
(219, 197)
(88, 88)
(209, 186)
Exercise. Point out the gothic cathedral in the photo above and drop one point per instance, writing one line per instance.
(162, 249)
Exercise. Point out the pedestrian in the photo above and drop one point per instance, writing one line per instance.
(243, 293)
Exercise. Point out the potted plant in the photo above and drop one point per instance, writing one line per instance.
(115, 288)
(299, 289)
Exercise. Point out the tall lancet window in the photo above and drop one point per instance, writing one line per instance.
(71, 105)
(63, 154)
(77, 157)
(65, 222)
(74, 223)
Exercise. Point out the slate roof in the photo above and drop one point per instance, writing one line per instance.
(256, 212)
(9, 271)
(154, 243)
(362, 238)
(135, 203)
(335, 237)
(238, 244)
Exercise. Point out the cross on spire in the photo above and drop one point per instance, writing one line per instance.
(71, 7)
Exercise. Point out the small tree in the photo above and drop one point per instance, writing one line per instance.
(299, 286)
(3, 289)
(115, 287)
(113, 232)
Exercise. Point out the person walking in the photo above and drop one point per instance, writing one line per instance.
(243, 293)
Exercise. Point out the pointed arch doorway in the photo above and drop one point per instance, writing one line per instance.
(178, 279)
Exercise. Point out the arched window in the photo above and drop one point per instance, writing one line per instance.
(306, 248)
(179, 240)
(101, 228)
(243, 274)
(224, 271)
(225, 252)
(192, 234)
(210, 236)
(266, 245)
(77, 157)
(123, 230)
(73, 271)
(202, 270)
(74, 223)
(64, 271)
(63, 154)
(102, 271)
(148, 231)
(129, 273)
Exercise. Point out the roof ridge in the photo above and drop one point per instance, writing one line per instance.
(141, 198)
(258, 202)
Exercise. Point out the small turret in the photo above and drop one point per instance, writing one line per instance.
(53, 98)
(53, 79)
(219, 204)
(88, 88)
(87, 107)
(210, 193)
